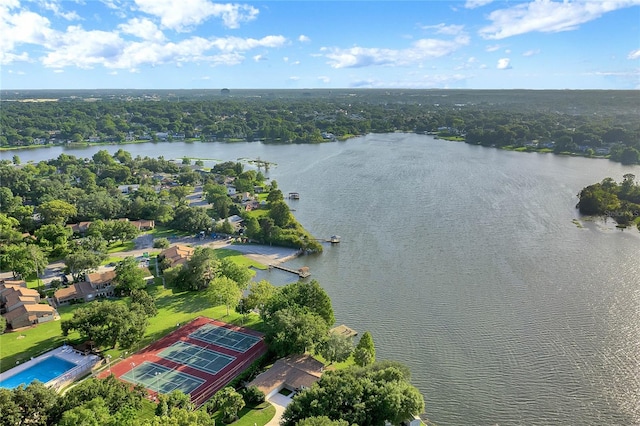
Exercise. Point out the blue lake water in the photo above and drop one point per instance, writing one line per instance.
(43, 371)
(466, 265)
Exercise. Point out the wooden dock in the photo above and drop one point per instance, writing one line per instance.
(302, 272)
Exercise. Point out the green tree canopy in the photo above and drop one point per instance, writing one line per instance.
(365, 352)
(363, 396)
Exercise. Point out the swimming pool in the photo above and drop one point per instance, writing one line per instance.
(45, 370)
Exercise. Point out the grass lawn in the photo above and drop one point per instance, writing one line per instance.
(259, 415)
(120, 246)
(164, 232)
(239, 258)
(24, 344)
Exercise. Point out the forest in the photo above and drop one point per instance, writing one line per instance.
(589, 123)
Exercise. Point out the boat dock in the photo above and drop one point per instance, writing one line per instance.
(302, 272)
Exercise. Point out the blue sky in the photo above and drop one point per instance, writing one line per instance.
(169, 44)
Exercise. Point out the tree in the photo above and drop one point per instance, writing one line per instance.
(229, 402)
(129, 276)
(295, 331)
(162, 243)
(240, 274)
(91, 413)
(274, 195)
(280, 213)
(3, 324)
(336, 348)
(310, 296)
(24, 260)
(201, 268)
(143, 301)
(107, 324)
(365, 352)
(54, 239)
(56, 212)
(36, 405)
(117, 395)
(364, 396)
(259, 294)
(81, 261)
(224, 290)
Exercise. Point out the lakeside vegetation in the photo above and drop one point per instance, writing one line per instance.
(618, 201)
(588, 123)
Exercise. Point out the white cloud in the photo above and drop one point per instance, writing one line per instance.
(472, 4)
(58, 71)
(84, 49)
(324, 79)
(634, 54)
(356, 57)
(294, 78)
(492, 48)
(445, 29)
(236, 43)
(54, 6)
(23, 27)
(142, 28)
(184, 14)
(547, 16)
(504, 64)
(303, 39)
(259, 58)
(531, 52)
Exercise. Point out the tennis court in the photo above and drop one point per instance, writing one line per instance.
(161, 379)
(225, 337)
(197, 357)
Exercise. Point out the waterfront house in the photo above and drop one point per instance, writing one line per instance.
(295, 372)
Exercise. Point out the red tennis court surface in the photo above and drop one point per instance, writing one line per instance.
(164, 357)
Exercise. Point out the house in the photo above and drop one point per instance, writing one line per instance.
(144, 224)
(235, 221)
(294, 373)
(231, 190)
(176, 255)
(30, 314)
(15, 293)
(127, 189)
(102, 282)
(79, 228)
(75, 293)
(21, 306)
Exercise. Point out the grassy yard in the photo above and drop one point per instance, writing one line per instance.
(164, 232)
(239, 258)
(121, 246)
(22, 345)
(258, 415)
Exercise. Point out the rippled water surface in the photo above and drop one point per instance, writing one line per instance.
(464, 263)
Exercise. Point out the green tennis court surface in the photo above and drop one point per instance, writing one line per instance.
(161, 379)
(222, 336)
(197, 357)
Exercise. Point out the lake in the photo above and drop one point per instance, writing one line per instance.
(465, 264)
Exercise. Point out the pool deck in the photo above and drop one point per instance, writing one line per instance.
(64, 352)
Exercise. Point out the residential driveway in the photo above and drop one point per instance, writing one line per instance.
(280, 402)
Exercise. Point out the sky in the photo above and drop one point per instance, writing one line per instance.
(205, 44)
